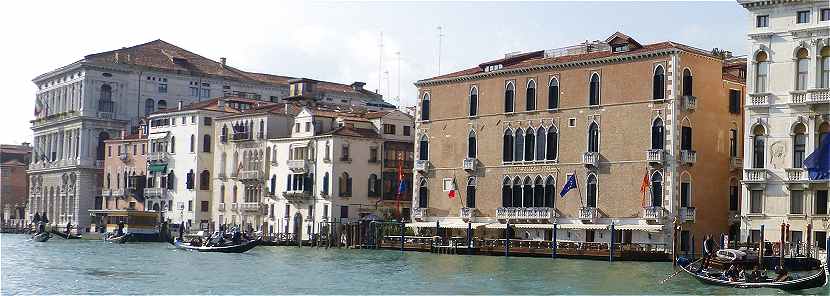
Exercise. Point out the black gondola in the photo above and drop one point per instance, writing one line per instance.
(118, 239)
(240, 248)
(64, 235)
(813, 280)
(41, 237)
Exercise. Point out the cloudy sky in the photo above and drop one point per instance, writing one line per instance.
(335, 41)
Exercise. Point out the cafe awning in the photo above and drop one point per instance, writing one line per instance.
(521, 226)
(157, 167)
(640, 227)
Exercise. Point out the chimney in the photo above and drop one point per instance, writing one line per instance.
(24, 144)
(180, 105)
(223, 61)
(220, 103)
(357, 85)
(123, 134)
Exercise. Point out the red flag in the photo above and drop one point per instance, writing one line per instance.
(644, 188)
(451, 194)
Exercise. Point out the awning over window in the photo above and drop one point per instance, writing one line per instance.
(157, 168)
(156, 136)
(521, 226)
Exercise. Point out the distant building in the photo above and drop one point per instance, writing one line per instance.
(14, 184)
(505, 137)
(83, 104)
(787, 120)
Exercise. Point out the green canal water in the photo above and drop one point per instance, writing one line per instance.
(94, 267)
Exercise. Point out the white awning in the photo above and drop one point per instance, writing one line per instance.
(521, 226)
(156, 136)
(584, 226)
(460, 225)
(421, 224)
(640, 227)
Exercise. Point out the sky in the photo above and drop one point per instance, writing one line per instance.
(335, 41)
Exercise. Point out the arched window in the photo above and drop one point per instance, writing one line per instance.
(550, 188)
(425, 107)
(222, 193)
(472, 147)
(552, 148)
(235, 193)
(657, 189)
(593, 98)
(802, 64)
(224, 137)
(659, 83)
(373, 185)
(326, 183)
(192, 143)
(657, 135)
(474, 101)
(204, 180)
(530, 96)
(591, 191)
(507, 146)
(235, 163)
(149, 106)
(471, 192)
(799, 145)
(99, 153)
(162, 105)
(527, 200)
(261, 134)
(106, 92)
(593, 137)
(223, 163)
(761, 71)
(688, 81)
(506, 193)
(517, 192)
(423, 194)
(206, 143)
(530, 144)
(509, 92)
(173, 144)
(190, 179)
(824, 78)
(519, 147)
(345, 185)
(109, 181)
(685, 192)
(171, 180)
(823, 133)
(105, 103)
(553, 93)
(758, 146)
(541, 140)
(423, 148)
(538, 192)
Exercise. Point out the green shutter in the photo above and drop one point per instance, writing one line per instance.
(157, 168)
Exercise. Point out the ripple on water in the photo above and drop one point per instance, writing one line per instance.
(94, 267)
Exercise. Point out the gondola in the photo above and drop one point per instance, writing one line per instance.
(813, 280)
(41, 237)
(119, 239)
(66, 236)
(240, 248)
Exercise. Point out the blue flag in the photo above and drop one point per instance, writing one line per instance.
(818, 163)
(571, 184)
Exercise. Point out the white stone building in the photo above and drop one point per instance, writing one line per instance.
(787, 114)
(86, 102)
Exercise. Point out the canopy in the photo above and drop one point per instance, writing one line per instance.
(818, 163)
(157, 167)
(640, 227)
(446, 225)
(156, 136)
(521, 226)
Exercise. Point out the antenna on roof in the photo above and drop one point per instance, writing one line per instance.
(440, 36)
(398, 97)
(380, 61)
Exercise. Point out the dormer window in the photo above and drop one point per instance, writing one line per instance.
(620, 48)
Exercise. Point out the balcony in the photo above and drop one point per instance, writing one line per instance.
(221, 207)
(819, 96)
(240, 136)
(655, 156)
(422, 165)
(99, 164)
(467, 214)
(155, 192)
(687, 214)
(249, 206)
(588, 214)
(736, 163)
(106, 192)
(797, 176)
(758, 100)
(590, 159)
(299, 166)
(157, 157)
(755, 176)
(249, 175)
(124, 157)
(540, 213)
(688, 157)
(689, 103)
(655, 214)
(798, 97)
(418, 214)
(234, 207)
(117, 192)
(470, 164)
(298, 196)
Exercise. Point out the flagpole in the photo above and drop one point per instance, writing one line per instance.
(576, 180)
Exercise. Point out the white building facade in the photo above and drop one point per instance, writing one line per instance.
(787, 116)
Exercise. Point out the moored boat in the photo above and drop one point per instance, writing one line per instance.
(65, 235)
(239, 248)
(797, 280)
(41, 237)
(118, 239)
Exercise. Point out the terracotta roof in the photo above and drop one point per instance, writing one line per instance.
(536, 61)
(376, 114)
(729, 77)
(162, 55)
(353, 132)
(213, 105)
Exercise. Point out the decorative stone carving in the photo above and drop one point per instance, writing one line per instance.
(777, 153)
